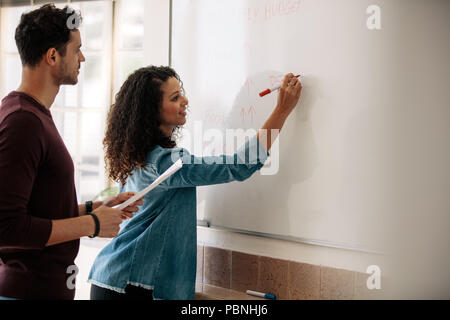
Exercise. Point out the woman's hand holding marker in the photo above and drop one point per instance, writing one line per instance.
(288, 97)
(289, 94)
(267, 91)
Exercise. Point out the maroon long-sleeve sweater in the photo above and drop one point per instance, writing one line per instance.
(36, 186)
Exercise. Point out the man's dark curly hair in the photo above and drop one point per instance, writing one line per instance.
(132, 129)
(42, 29)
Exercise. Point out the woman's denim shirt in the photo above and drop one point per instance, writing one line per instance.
(157, 248)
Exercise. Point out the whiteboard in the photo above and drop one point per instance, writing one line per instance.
(335, 177)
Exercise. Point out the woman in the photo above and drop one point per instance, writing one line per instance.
(154, 255)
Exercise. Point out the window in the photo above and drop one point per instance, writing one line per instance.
(80, 111)
(10, 66)
(129, 42)
(129, 39)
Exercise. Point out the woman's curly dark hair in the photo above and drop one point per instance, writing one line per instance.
(133, 122)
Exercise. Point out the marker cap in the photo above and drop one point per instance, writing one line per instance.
(270, 296)
(262, 94)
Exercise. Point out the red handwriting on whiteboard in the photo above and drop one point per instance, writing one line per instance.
(248, 84)
(248, 114)
(272, 9)
(252, 112)
(276, 8)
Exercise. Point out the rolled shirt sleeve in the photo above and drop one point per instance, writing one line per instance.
(22, 150)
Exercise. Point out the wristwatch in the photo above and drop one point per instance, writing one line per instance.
(88, 207)
(97, 222)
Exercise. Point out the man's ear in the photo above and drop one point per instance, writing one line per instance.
(51, 57)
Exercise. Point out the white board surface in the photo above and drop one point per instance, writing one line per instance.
(335, 177)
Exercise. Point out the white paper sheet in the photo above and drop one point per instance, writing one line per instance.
(174, 168)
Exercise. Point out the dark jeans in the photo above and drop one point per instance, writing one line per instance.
(131, 293)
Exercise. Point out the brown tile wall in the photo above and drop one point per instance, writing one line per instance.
(289, 280)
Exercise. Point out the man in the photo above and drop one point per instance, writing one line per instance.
(40, 220)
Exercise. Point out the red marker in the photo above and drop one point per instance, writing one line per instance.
(262, 94)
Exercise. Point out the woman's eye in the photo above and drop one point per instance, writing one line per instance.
(175, 99)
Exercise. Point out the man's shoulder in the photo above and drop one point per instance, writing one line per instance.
(15, 109)
(20, 117)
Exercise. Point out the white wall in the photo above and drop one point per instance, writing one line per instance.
(156, 42)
